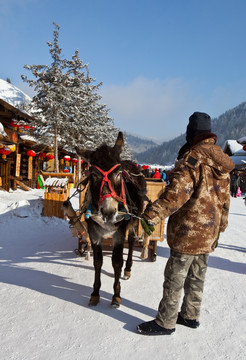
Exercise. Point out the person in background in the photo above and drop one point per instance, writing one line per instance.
(197, 204)
(145, 171)
(156, 174)
(235, 183)
(164, 175)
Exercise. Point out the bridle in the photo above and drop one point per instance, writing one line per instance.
(122, 197)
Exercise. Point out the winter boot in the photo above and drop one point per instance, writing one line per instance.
(186, 322)
(152, 328)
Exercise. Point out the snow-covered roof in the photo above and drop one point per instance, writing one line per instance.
(242, 140)
(2, 132)
(233, 145)
(28, 138)
(56, 182)
(12, 95)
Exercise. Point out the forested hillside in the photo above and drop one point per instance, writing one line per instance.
(230, 125)
(138, 144)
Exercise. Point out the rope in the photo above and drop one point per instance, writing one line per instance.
(78, 190)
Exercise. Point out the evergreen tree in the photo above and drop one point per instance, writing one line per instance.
(88, 123)
(66, 107)
(47, 104)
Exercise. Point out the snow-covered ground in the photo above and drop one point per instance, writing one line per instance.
(45, 288)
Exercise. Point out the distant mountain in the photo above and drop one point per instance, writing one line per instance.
(12, 94)
(229, 126)
(139, 144)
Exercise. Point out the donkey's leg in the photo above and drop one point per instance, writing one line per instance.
(145, 250)
(117, 262)
(127, 270)
(98, 260)
(133, 230)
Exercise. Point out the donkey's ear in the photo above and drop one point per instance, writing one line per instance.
(119, 144)
(85, 154)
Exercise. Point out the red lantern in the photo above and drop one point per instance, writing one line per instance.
(244, 147)
(41, 155)
(31, 153)
(74, 161)
(50, 157)
(14, 125)
(67, 158)
(82, 162)
(66, 170)
(5, 151)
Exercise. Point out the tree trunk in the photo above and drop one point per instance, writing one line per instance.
(79, 168)
(56, 150)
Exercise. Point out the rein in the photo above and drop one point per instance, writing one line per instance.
(112, 193)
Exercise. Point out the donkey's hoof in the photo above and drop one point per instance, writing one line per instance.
(127, 275)
(116, 301)
(94, 300)
(88, 256)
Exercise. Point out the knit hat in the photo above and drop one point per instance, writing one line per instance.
(199, 123)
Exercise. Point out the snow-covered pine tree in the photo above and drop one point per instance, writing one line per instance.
(85, 118)
(47, 105)
(67, 107)
(88, 124)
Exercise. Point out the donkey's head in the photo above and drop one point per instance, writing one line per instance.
(106, 184)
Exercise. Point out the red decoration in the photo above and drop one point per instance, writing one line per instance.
(82, 161)
(50, 157)
(31, 153)
(244, 147)
(74, 161)
(5, 151)
(67, 158)
(42, 155)
(14, 125)
(145, 167)
(66, 170)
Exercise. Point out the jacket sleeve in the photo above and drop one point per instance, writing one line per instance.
(225, 210)
(176, 194)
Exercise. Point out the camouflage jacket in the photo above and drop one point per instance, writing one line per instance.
(196, 200)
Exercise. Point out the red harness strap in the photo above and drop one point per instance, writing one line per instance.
(112, 193)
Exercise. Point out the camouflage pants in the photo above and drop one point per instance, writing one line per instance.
(182, 272)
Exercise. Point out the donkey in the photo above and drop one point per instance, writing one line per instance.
(115, 188)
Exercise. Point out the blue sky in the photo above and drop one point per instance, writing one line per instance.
(159, 60)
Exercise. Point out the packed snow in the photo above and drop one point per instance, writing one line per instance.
(45, 289)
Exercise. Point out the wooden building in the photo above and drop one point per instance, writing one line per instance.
(16, 166)
(22, 159)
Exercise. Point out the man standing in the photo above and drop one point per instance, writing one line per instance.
(197, 203)
(235, 183)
